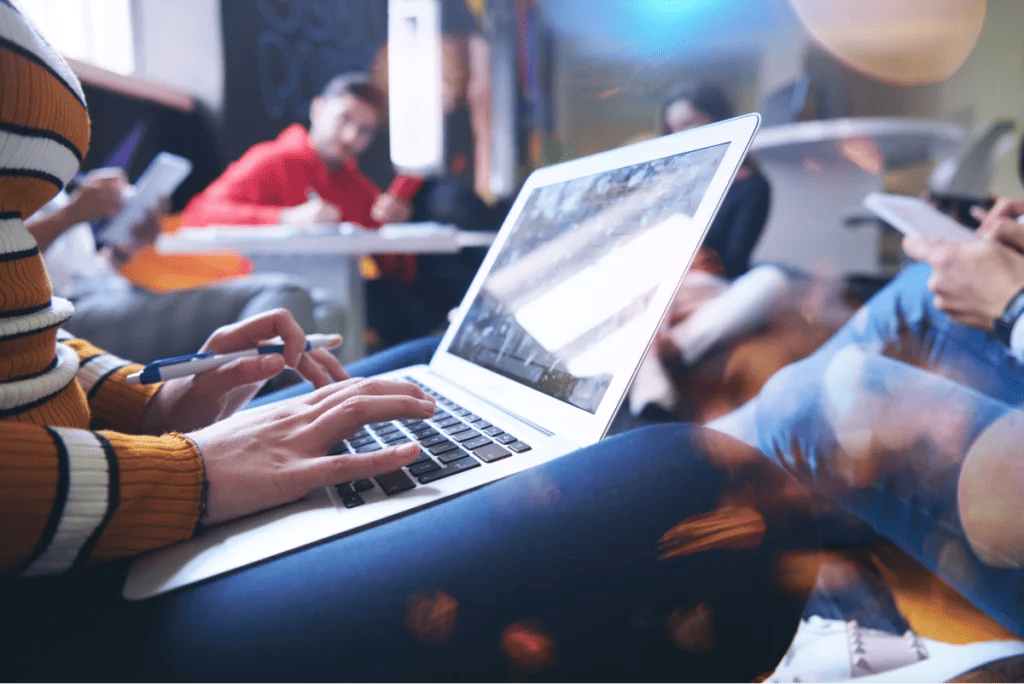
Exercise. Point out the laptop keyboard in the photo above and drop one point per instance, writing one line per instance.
(451, 441)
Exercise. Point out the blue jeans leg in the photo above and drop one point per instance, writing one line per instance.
(888, 442)
(639, 558)
(901, 322)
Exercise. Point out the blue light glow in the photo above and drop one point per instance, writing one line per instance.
(660, 27)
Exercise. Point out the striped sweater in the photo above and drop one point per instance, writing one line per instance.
(75, 486)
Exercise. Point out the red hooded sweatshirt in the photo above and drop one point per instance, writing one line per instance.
(279, 174)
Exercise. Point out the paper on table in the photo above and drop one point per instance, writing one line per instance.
(271, 231)
(391, 231)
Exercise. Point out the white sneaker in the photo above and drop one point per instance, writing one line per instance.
(839, 651)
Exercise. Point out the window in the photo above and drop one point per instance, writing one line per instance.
(95, 31)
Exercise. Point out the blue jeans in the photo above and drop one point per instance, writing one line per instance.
(665, 553)
(883, 418)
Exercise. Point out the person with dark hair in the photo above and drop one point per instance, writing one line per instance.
(310, 176)
(358, 84)
(689, 107)
(721, 297)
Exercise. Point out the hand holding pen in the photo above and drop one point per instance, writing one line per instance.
(314, 210)
(186, 403)
(191, 364)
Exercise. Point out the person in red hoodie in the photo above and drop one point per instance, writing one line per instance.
(310, 176)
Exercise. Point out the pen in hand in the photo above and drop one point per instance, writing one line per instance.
(190, 364)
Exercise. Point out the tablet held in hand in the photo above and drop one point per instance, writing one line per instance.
(914, 216)
(161, 178)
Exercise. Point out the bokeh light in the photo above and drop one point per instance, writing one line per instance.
(431, 615)
(901, 42)
(726, 527)
(692, 630)
(529, 646)
(656, 28)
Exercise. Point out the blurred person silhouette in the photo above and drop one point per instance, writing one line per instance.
(741, 218)
(305, 177)
(460, 193)
(721, 297)
(131, 321)
(910, 416)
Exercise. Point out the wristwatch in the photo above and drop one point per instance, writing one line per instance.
(1003, 325)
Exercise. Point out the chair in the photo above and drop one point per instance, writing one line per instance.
(970, 172)
(787, 103)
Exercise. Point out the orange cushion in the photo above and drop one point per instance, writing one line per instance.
(933, 609)
(162, 272)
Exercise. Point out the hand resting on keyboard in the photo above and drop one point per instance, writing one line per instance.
(287, 458)
(278, 453)
(453, 440)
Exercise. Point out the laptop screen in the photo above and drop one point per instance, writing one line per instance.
(578, 271)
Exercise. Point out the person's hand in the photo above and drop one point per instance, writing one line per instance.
(146, 231)
(189, 403)
(313, 210)
(666, 349)
(98, 196)
(144, 234)
(389, 209)
(277, 453)
(1001, 222)
(972, 281)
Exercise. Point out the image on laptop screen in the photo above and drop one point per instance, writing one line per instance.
(573, 281)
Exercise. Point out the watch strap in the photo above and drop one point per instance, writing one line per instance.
(1003, 325)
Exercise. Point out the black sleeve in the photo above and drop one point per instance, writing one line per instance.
(744, 219)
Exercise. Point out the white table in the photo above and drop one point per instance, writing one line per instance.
(325, 255)
(820, 172)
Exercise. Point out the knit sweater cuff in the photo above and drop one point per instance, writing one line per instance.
(159, 488)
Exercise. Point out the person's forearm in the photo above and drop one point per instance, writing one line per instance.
(48, 228)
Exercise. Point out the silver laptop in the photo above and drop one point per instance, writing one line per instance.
(538, 360)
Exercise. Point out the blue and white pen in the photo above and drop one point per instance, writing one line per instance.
(190, 364)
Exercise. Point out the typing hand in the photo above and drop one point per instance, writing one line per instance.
(313, 210)
(275, 454)
(389, 209)
(196, 401)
